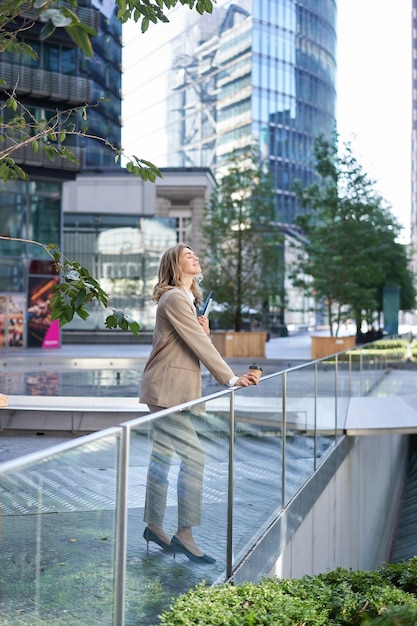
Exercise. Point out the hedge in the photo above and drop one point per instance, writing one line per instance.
(386, 596)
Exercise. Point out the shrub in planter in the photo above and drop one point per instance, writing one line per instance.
(386, 596)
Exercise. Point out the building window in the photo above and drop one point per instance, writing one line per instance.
(183, 227)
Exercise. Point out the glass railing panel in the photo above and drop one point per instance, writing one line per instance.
(178, 472)
(257, 478)
(370, 369)
(343, 388)
(58, 517)
(328, 423)
(356, 377)
(300, 443)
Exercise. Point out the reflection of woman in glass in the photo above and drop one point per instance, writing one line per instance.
(172, 376)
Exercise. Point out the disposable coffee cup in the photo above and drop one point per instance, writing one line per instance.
(4, 400)
(257, 370)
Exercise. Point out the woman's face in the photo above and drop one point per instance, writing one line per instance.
(189, 263)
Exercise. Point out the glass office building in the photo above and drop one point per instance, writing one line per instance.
(60, 79)
(262, 70)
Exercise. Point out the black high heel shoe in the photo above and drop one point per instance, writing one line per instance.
(148, 535)
(177, 546)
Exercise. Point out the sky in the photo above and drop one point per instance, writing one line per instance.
(374, 94)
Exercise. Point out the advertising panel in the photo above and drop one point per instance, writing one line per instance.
(12, 314)
(42, 331)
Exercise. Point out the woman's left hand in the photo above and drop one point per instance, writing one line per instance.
(204, 323)
(246, 380)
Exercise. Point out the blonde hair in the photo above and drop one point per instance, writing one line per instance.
(170, 275)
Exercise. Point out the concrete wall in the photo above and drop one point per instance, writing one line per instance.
(112, 193)
(350, 524)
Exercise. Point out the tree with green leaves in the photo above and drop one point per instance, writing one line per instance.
(241, 238)
(350, 249)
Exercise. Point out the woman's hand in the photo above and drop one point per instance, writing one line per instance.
(246, 380)
(204, 323)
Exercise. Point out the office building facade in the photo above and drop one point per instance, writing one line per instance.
(60, 79)
(260, 71)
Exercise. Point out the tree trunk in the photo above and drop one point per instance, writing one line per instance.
(329, 315)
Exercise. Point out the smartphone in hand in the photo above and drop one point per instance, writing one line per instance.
(205, 310)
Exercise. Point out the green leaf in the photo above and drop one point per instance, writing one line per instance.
(47, 30)
(80, 299)
(12, 103)
(134, 327)
(145, 24)
(61, 20)
(9, 170)
(80, 38)
(82, 312)
(111, 321)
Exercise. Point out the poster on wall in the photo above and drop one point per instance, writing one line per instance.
(12, 314)
(15, 321)
(3, 314)
(42, 331)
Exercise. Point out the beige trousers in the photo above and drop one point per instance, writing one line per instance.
(175, 433)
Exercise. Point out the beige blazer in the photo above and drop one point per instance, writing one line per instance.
(172, 373)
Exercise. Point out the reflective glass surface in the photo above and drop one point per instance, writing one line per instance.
(344, 384)
(58, 535)
(257, 477)
(326, 397)
(178, 477)
(299, 428)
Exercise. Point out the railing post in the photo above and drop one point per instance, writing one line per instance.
(315, 413)
(284, 436)
(336, 388)
(350, 374)
(229, 534)
(121, 528)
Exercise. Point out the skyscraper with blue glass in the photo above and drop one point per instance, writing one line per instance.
(260, 70)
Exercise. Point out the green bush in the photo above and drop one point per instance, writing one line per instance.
(386, 596)
(414, 349)
(390, 344)
(388, 349)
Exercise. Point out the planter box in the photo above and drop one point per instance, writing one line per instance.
(325, 346)
(244, 344)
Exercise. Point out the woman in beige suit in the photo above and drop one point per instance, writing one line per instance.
(172, 376)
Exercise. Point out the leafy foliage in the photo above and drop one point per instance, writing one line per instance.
(386, 596)
(49, 135)
(147, 12)
(348, 251)
(240, 237)
(77, 289)
(63, 14)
